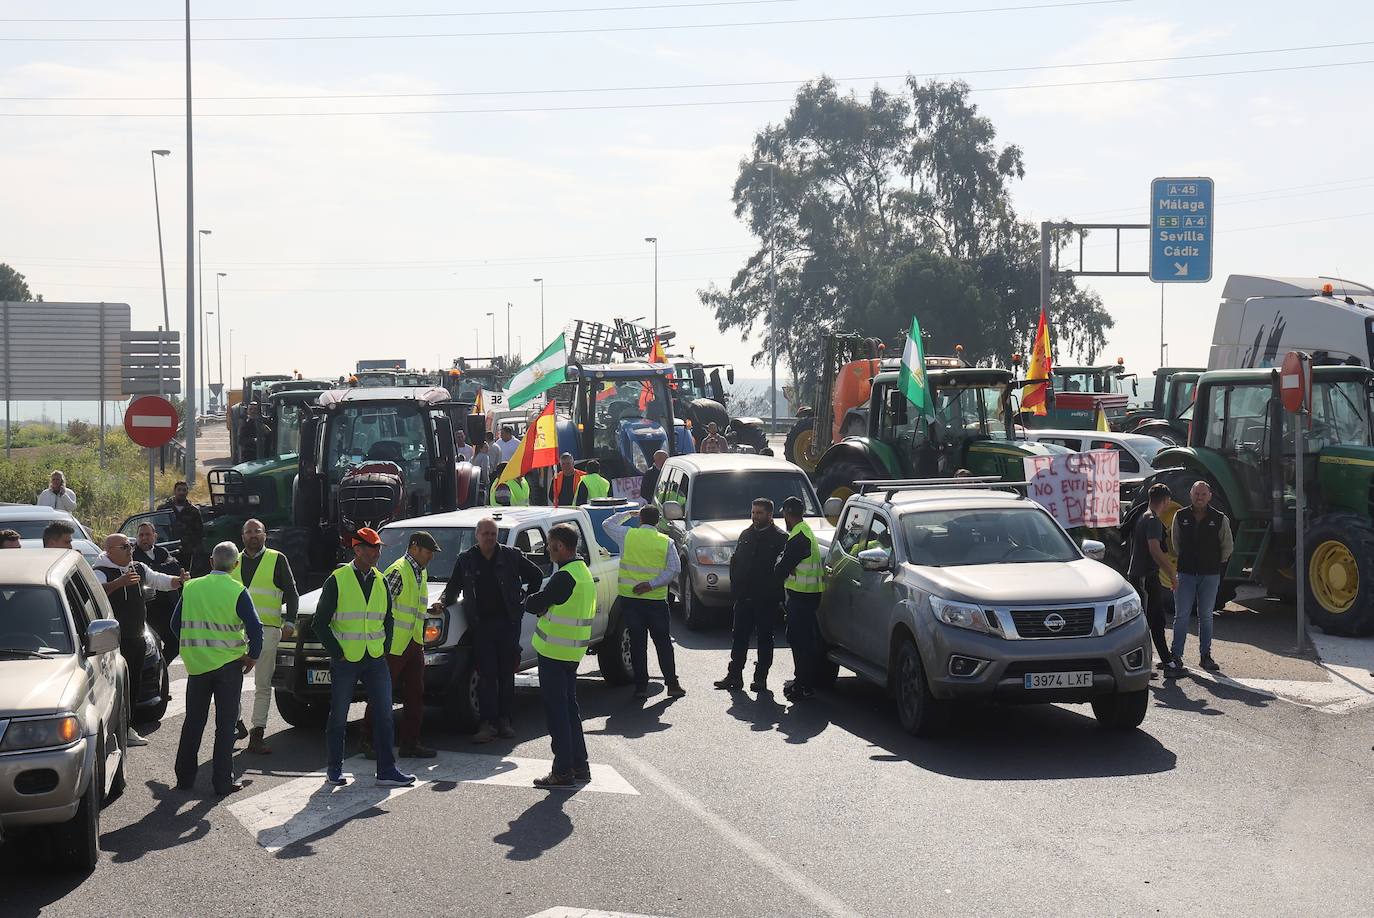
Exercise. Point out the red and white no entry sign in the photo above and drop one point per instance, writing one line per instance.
(1295, 380)
(151, 421)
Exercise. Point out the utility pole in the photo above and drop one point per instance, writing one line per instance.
(540, 282)
(191, 382)
(492, 316)
(508, 350)
(204, 372)
(219, 348)
(654, 240)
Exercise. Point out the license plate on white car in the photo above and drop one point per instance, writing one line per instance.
(1059, 680)
(317, 677)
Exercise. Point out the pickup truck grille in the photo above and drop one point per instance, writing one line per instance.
(1031, 623)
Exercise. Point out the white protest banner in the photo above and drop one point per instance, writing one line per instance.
(626, 488)
(492, 401)
(1079, 489)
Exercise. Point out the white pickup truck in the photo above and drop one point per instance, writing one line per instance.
(301, 679)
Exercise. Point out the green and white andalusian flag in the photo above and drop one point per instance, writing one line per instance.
(913, 376)
(549, 369)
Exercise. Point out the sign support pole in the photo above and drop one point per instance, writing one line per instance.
(1299, 552)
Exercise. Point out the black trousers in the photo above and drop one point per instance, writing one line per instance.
(1151, 591)
(224, 686)
(753, 616)
(803, 636)
(496, 646)
(131, 646)
(649, 618)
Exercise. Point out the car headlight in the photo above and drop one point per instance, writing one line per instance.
(959, 614)
(434, 631)
(1125, 609)
(41, 733)
(714, 554)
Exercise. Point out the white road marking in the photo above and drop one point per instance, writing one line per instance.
(563, 911)
(784, 871)
(1349, 683)
(305, 806)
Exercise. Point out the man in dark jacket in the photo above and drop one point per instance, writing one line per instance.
(254, 435)
(758, 595)
(159, 606)
(493, 579)
(1202, 538)
(187, 526)
(1148, 558)
(649, 484)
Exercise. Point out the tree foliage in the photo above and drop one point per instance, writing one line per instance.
(13, 288)
(879, 209)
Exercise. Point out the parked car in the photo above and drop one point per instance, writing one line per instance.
(151, 694)
(1137, 451)
(301, 679)
(941, 594)
(30, 521)
(64, 701)
(705, 498)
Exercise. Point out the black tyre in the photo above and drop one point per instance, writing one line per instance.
(838, 480)
(920, 712)
(1340, 574)
(294, 543)
(120, 779)
(77, 842)
(751, 435)
(696, 615)
(301, 712)
(154, 714)
(1162, 432)
(797, 447)
(703, 411)
(462, 703)
(613, 653)
(1121, 711)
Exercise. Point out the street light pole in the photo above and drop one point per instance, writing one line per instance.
(654, 240)
(540, 282)
(161, 260)
(191, 400)
(204, 375)
(508, 350)
(219, 332)
(772, 293)
(492, 316)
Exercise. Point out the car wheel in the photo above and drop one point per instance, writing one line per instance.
(1121, 711)
(154, 714)
(462, 703)
(613, 655)
(78, 841)
(696, 615)
(920, 712)
(300, 712)
(120, 780)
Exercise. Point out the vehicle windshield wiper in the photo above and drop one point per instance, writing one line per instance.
(27, 652)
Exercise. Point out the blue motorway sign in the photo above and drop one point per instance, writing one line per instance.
(1181, 230)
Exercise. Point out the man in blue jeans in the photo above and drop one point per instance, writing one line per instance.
(1202, 537)
(648, 563)
(353, 621)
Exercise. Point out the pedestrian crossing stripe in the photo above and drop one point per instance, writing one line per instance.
(306, 806)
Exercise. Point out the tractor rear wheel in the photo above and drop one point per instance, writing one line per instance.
(838, 480)
(1340, 574)
(797, 447)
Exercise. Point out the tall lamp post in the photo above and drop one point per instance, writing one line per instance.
(508, 350)
(492, 316)
(654, 240)
(772, 290)
(540, 282)
(200, 259)
(161, 261)
(219, 334)
(191, 400)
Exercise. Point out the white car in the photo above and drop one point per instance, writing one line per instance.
(30, 521)
(301, 679)
(1137, 451)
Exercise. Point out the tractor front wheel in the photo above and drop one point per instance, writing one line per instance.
(1340, 574)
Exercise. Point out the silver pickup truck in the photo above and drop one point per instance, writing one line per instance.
(301, 679)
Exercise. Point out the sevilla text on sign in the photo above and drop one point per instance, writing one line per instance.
(1079, 489)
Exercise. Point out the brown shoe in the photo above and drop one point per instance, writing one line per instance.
(257, 745)
(485, 734)
(554, 779)
(505, 729)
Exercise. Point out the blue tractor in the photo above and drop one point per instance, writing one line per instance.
(621, 414)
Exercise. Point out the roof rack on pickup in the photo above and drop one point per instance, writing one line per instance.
(894, 485)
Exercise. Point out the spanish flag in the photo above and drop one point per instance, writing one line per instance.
(538, 450)
(1035, 397)
(656, 354)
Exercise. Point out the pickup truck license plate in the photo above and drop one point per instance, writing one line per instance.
(1059, 680)
(321, 677)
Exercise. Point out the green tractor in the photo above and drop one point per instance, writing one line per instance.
(972, 429)
(1165, 418)
(1241, 443)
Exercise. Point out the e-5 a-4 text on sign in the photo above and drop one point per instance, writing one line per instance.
(1181, 230)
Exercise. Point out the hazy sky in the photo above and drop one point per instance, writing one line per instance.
(393, 235)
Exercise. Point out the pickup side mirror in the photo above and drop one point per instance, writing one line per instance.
(1095, 549)
(673, 511)
(875, 559)
(102, 636)
(832, 508)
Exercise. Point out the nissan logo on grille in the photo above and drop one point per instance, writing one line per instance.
(1055, 622)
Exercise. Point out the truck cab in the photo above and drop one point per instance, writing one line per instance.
(1261, 319)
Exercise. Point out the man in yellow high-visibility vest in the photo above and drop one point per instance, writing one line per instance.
(353, 620)
(566, 608)
(267, 575)
(648, 563)
(799, 568)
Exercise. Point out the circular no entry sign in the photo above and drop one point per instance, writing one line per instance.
(151, 421)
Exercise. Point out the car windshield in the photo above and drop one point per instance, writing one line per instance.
(33, 619)
(376, 432)
(453, 541)
(1010, 535)
(729, 495)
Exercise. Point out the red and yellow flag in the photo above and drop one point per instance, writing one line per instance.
(1035, 396)
(538, 450)
(656, 354)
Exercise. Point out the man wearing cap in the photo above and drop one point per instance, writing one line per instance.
(353, 620)
(407, 582)
(799, 569)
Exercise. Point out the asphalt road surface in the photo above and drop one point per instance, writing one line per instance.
(1225, 803)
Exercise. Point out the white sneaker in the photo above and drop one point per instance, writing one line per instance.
(133, 739)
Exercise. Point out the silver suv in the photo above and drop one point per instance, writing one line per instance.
(64, 700)
(941, 593)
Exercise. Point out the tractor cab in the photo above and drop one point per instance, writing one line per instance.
(254, 388)
(1078, 392)
(702, 380)
(621, 414)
